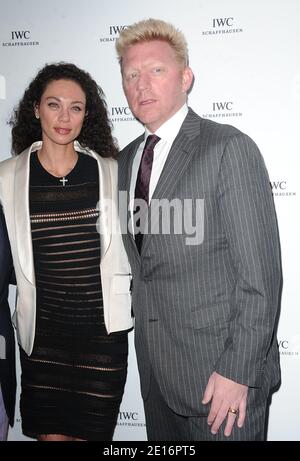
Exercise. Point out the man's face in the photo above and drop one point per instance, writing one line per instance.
(154, 82)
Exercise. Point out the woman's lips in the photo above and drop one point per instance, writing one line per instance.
(62, 130)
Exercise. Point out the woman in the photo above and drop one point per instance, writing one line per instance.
(73, 309)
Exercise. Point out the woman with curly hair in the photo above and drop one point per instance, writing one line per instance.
(73, 313)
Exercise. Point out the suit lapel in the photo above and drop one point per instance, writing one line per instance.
(124, 185)
(128, 164)
(105, 197)
(181, 154)
(22, 213)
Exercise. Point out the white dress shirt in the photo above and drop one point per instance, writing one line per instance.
(167, 133)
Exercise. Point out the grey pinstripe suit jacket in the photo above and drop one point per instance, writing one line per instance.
(210, 307)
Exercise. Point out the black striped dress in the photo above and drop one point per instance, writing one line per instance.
(73, 382)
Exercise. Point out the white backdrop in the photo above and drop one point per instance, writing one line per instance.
(245, 57)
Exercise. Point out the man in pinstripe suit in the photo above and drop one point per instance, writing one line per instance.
(205, 310)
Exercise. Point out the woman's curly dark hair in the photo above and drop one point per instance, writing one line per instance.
(96, 130)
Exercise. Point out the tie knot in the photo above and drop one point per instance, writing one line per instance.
(151, 141)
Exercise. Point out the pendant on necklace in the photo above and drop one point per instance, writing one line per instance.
(63, 181)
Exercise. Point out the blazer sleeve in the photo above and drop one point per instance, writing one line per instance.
(249, 221)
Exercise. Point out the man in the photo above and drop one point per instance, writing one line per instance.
(205, 309)
(7, 341)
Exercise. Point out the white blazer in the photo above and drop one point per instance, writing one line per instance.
(114, 266)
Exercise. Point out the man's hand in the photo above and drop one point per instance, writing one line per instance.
(225, 394)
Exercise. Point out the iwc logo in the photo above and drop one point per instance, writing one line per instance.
(112, 34)
(121, 114)
(222, 26)
(20, 38)
(223, 109)
(129, 418)
(280, 189)
(290, 347)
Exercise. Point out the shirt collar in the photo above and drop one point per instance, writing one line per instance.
(169, 130)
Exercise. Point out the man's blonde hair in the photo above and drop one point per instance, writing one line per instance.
(149, 30)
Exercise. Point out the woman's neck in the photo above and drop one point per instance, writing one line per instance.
(58, 160)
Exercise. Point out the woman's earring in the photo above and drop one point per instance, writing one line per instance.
(37, 116)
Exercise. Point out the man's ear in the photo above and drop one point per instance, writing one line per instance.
(187, 79)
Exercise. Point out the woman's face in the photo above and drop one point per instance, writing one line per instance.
(61, 111)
